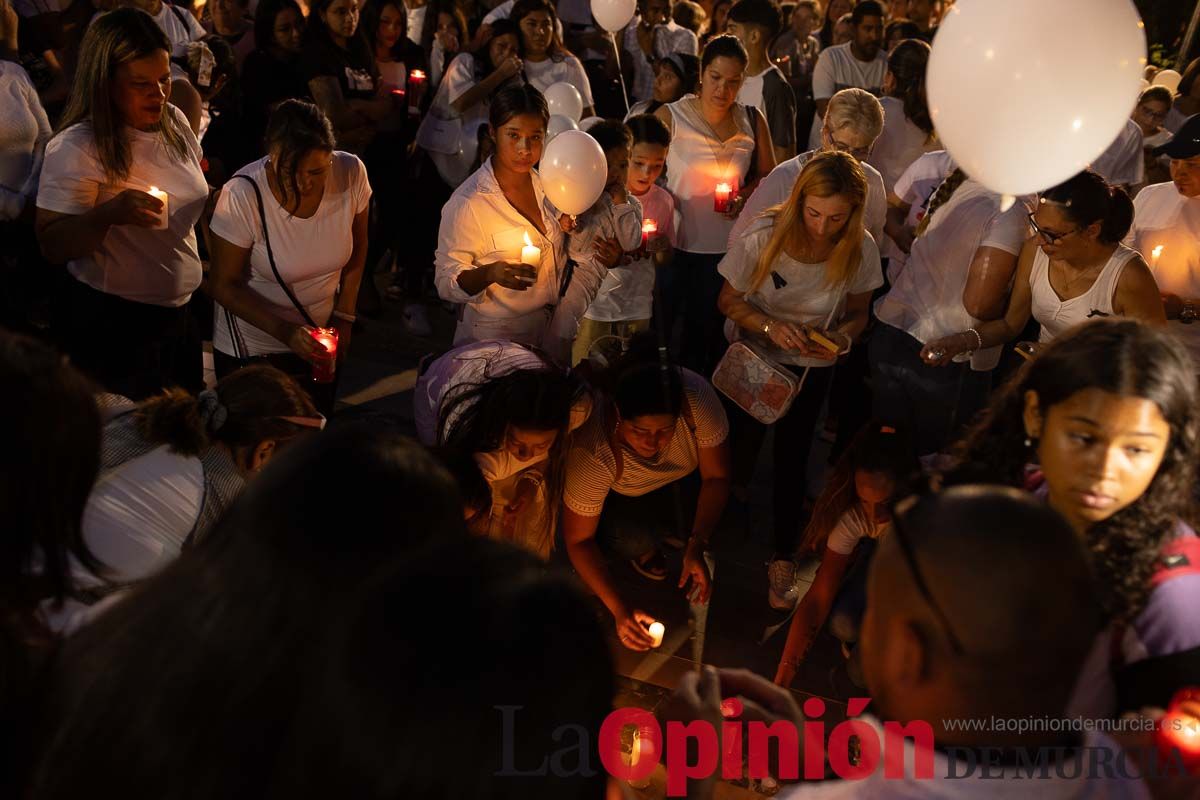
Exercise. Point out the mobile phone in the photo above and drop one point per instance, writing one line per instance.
(1024, 352)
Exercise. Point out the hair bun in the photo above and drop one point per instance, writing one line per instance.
(212, 413)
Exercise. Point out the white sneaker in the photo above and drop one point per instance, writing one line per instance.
(416, 321)
(782, 591)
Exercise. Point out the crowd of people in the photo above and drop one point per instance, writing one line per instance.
(201, 574)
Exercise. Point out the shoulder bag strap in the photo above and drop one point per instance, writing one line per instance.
(262, 216)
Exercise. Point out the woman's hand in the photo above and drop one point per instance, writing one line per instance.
(449, 40)
(133, 207)
(508, 68)
(794, 338)
(301, 342)
(517, 277)
(526, 491)
(736, 205)
(344, 330)
(695, 569)
(631, 630)
(608, 251)
(941, 352)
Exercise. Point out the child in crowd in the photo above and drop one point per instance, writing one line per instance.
(851, 516)
(613, 223)
(624, 303)
(756, 23)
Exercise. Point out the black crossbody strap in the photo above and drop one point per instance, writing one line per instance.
(262, 216)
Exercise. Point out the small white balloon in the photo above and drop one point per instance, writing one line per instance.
(613, 15)
(1168, 78)
(564, 100)
(987, 84)
(573, 171)
(557, 125)
(589, 122)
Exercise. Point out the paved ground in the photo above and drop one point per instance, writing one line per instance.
(377, 383)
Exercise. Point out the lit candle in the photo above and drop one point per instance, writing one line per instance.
(154, 191)
(649, 227)
(531, 254)
(416, 82)
(1154, 254)
(325, 360)
(635, 756)
(656, 631)
(721, 197)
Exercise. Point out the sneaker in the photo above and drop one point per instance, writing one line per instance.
(416, 321)
(782, 591)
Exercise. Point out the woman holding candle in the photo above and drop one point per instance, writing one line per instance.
(501, 250)
(799, 280)
(719, 151)
(515, 411)
(656, 431)
(1073, 269)
(1108, 412)
(546, 60)
(307, 262)
(125, 317)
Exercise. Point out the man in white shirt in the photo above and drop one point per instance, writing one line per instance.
(1166, 230)
(756, 23)
(860, 63)
(852, 123)
(1122, 164)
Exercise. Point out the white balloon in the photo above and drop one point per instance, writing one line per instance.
(573, 171)
(613, 15)
(589, 122)
(564, 100)
(1018, 109)
(557, 125)
(1168, 78)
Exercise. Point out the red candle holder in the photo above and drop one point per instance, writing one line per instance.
(1179, 730)
(721, 198)
(324, 363)
(416, 82)
(649, 228)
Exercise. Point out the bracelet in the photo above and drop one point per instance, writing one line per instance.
(342, 315)
(978, 339)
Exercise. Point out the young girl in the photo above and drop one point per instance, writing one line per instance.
(1108, 412)
(852, 514)
(450, 37)
(675, 76)
(547, 62)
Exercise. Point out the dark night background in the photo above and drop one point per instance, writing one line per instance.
(1166, 23)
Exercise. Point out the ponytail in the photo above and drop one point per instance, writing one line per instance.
(1088, 198)
(1119, 218)
(908, 63)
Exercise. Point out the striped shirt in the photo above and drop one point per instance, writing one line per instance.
(592, 465)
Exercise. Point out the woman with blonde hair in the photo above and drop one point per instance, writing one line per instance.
(797, 287)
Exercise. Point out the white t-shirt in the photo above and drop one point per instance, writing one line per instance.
(669, 38)
(777, 187)
(959, 780)
(853, 527)
(544, 74)
(138, 515)
(1162, 217)
(458, 80)
(793, 291)
(627, 292)
(838, 69)
(24, 131)
(926, 301)
(899, 145)
(309, 253)
(146, 265)
(1122, 164)
(915, 187)
(180, 26)
(415, 22)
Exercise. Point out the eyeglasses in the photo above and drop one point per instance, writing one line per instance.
(1049, 237)
(317, 422)
(861, 153)
(900, 512)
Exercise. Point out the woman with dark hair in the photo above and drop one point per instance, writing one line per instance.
(273, 285)
(170, 466)
(290, 671)
(1108, 412)
(675, 76)
(395, 55)
(720, 149)
(450, 37)
(131, 253)
(546, 60)
(656, 430)
(343, 74)
(515, 410)
(1074, 268)
(907, 127)
(489, 218)
(273, 73)
(716, 21)
(51, 442)
(897, 30)
(834, 11)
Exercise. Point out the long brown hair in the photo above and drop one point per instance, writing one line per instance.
(115, 38)
(825, 175)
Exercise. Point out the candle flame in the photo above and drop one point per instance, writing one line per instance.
(154, 189)
(528, 243)
(418, 75)
(1156, 252)
(723, 187)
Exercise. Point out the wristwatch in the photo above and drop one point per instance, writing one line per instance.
(1188, 315)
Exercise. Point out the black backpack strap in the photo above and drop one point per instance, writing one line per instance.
(262, 216)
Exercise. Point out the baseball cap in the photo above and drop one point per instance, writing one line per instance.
(1185, 143)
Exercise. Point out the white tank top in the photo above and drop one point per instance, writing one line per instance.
(696, 163)
(1055, 315)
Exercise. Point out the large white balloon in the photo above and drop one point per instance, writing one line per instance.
(573, 171)
(613, 15)
(1168, 78)
(1019, 107)
(564, 100)
(557, 125)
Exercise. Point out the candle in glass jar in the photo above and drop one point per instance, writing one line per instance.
(649, 228)
(325, 359)
(158, 193)
(416, 82)
(656, 631)
(721, 197)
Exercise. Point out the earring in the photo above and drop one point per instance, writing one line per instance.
(1029, 442)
